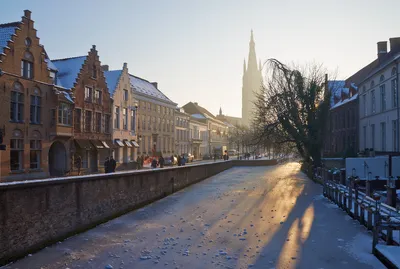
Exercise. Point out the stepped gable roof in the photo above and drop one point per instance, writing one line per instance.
(6, 31)
(143, 86)
(112, 78)
(68, 70)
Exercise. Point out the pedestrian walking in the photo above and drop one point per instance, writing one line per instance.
(112, 165)
(161, 161)
(78, 164)
(107, 165)
(154, 163)
(179, 160)
(183, 160)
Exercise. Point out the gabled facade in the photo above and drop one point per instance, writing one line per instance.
(217, 130)
(156, 130)
(30, 107)
(91, 117)
(198, 138)
(124, 118)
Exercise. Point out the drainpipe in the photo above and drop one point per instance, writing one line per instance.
(398, 108)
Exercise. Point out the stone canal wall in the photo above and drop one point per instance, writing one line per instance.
(34, 214)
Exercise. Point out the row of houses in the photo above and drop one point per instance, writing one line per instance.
(58, 116)
(364, 114)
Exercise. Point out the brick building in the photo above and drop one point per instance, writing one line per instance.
(182, 132)
(124, 118)
(29, 95)
(91, 117)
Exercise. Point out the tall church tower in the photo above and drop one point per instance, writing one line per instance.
(252, 79)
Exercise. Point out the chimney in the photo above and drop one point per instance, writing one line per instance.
(105, 67)
(155, 84)
(27, 14)
(125, 65)
(394, 43)
(94, 47)
(196, 103)
(382, 48)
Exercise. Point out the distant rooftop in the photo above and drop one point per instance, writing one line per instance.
(6, 31)
(68, 70)
(145, 87)
(112, 78)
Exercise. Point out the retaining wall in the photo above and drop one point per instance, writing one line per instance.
(34, 214)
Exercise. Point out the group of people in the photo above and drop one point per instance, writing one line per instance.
(160, 162)
(109, 165)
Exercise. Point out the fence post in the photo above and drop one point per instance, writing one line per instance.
(356, 200)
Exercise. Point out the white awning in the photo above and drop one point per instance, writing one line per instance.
(134, 143)
(119, 143)
(128, 143)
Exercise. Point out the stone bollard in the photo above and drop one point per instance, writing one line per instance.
(391, 196)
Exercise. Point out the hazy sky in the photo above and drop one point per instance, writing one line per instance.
(195, 49)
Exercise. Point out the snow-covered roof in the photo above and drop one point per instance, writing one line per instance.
(335, 87)
(145, 87)
(198, 116)
(67, 96)
(6, 31)
(340, 103)
(112, 78)
(50, 65)
(68, 70)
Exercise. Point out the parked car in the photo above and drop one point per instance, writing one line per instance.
(188, 157)
(169, 161)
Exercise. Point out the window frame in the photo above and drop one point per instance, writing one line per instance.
(64, 114)
(37, 150)
(19, 149)
(88, 125)
(35, 116)
(88, 94)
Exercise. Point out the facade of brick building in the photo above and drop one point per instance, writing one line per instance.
(91, 117)
(29, 95)
(124, 118)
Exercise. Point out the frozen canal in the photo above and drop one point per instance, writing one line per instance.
(246, 217)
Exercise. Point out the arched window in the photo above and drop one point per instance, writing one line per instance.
(27, 65)
(16, 150)
(35, 150)
(17, 103)
(372, 84)
(382, 78)
(36, 102)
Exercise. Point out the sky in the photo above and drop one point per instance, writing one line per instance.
(195, 49)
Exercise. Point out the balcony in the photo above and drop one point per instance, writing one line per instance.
(61, 130)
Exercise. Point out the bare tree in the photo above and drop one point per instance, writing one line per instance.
(292, 109)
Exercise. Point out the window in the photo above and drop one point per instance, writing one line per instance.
(53, 77)
(124, 119)
(126, 95)
(148, 123)
(383, 97)
(148, 106)
(35, 109)
(17, 106)
(159, 124)
(26, 69)
(143, 122)
(394, 93)
(365, 104)
(77, 121)
(88, 94)
(394, 134)
(16, 154)
(97, 97)
(373, 136)
(107, 122)
(372, 84)
(94, 71)
(88, 121)
(28, 42)
(158, 109)
(35, 153)
(133, 120)
(383, 136)
(116, 119)
(64, 114)
(373, 101)
(98, 122)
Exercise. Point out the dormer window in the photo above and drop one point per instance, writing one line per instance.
(27, 66)
(53, 77)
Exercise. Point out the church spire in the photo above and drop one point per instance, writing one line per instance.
(220, 111)
(252, 61)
